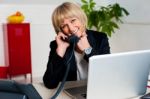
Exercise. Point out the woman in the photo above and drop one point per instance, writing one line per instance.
(69, 19)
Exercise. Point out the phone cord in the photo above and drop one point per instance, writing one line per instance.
(65, 76)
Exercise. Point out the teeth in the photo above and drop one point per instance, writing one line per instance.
(75, 31)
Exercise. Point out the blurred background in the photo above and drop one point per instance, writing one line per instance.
(133, 34)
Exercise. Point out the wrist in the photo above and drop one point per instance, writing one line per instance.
(60, 52)
(88, 50)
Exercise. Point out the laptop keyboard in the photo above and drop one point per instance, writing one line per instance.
(78, 92)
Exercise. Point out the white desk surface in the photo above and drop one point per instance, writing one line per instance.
(47, 93)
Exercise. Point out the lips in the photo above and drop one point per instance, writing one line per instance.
(74, 32)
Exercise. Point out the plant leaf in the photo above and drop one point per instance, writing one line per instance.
(125, 11)
(84, 1)
(104, 19)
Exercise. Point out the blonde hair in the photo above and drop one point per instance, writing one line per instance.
(67, 10)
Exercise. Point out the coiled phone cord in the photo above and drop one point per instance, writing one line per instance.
(66, 74)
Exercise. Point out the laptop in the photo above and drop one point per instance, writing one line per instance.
(115, 76)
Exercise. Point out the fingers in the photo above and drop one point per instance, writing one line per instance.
(83, 34)
(61, 36)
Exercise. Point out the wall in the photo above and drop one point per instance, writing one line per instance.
(135, 32)
(39, 16)
(132, 35)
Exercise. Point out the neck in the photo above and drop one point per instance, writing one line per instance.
(78, 50)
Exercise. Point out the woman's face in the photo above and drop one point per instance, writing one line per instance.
(71, 26)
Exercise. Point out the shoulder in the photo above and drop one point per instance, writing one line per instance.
(53, 44)
(96, 34)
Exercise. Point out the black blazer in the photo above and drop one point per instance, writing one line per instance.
(56, 65)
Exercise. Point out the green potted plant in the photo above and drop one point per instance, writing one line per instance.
(104, 19)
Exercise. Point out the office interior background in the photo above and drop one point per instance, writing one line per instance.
(133, 34)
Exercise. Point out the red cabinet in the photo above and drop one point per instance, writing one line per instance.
(3, 72)
(19, 50)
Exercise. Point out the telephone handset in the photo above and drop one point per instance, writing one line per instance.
(72, 39)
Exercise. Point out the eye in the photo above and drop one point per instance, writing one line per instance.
(62, 26)
(73, 20)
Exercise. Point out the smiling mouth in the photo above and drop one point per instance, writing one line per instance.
(74, 32)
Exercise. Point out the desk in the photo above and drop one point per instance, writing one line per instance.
(47, 93)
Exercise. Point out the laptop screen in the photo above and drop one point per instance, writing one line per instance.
(118, 76)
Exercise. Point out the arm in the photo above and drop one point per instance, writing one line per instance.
(100, 45)
(55, 68)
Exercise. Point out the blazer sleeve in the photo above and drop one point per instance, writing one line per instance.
(55, 68)
(100, 45)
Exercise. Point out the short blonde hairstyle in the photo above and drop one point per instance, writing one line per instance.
(67, 10)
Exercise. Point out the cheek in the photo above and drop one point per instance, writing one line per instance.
(79, 24)
(82, 29)
(65, 31)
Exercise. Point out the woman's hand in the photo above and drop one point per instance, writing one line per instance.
(83, 43)
(62, 45)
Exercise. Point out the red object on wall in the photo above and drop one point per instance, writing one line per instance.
(19, 50)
